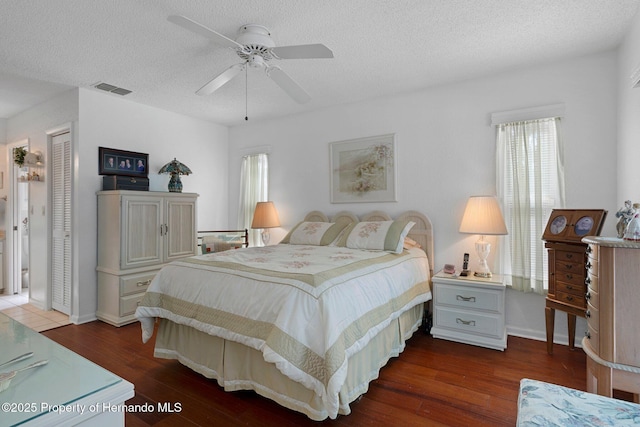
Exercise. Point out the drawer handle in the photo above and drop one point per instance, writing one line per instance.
(587, 296)
(568, 266)
(145, 283)
(465, 322)
(588, 314)
(588, 335)
(587, 265)
(569, 256)
(466, 299)
(587, 281)
(589, 249)
(569, 298)
(568, 276)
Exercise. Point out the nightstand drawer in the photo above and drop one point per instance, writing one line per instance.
(470, 298)
(469, 322)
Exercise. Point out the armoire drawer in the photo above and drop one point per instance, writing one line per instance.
(594, 338)
(592, 282)
(129, 303)
(136, 283)
(593, 298)
(571, 299)
(593, 317)
(571, 288)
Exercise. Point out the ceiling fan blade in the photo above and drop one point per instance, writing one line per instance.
(200, 29)
(221, 79)
(303, 51)
(288, 85)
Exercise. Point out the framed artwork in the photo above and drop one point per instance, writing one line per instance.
(571, 225)
(120, 162)
(363, 170)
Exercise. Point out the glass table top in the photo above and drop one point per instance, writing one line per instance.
(65, 379)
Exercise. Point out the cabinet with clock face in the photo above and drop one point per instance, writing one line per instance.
(567, 259)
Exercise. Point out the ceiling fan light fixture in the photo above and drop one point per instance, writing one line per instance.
(254, 34)
(256, 61)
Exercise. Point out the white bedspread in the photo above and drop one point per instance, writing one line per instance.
(306, 308)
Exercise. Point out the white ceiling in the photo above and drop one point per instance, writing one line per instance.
(381, 47)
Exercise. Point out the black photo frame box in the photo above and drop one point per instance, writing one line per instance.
(121, 162)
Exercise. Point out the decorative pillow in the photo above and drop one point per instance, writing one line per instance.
(314, 233)
(378, 235)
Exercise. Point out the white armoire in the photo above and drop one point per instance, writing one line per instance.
(139, 232)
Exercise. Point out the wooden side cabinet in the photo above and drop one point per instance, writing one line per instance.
(612, 342)
(469, 310)
(566, 287)
(567, 259)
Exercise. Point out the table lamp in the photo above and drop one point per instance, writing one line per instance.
(265, 217)
(483, 216)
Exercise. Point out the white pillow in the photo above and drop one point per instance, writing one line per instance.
(379, 235)
(315, 233)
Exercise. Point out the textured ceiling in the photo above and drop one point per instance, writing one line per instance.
(380, 47)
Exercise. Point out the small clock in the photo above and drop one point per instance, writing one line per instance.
(583, 226)
(558, 224)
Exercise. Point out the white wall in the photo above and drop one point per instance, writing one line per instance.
(629, 117)
(33, 124)
(445, 151)
(110, 121)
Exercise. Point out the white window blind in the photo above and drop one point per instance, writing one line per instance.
(530, 184)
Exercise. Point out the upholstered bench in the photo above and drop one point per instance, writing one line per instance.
(544, 404)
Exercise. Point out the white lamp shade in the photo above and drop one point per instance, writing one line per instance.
(265, 216)
(483, 216)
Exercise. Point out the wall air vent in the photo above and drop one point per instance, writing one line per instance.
(111, 88)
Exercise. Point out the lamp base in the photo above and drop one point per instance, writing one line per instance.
(482, 250)
(485, 275)
(175, 183)
(266, 236)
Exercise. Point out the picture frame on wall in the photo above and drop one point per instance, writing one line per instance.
(121, 162)
(364, 170)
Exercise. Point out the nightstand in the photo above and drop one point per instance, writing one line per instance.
(469, 310)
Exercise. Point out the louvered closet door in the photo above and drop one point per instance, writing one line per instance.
(61, 240)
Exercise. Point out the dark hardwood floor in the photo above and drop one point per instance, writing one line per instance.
(433, 383)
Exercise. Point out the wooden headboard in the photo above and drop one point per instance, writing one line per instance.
(422, 232)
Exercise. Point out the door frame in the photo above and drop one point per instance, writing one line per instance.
(12, 245)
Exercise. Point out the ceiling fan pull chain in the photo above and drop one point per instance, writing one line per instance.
(246, 93)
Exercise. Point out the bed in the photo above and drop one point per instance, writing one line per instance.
(307, 323)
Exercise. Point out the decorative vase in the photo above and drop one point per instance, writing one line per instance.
(175, 183)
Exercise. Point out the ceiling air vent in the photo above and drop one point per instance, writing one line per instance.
(111, 88)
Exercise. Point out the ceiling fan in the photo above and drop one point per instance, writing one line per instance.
(256, 48)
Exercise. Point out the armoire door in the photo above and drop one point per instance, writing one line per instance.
(142, 228)
(61, 216)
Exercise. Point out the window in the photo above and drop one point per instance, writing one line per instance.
(530, 184)
(254, 185)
